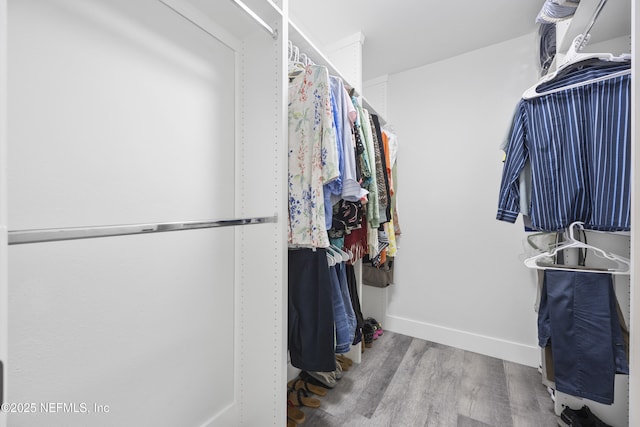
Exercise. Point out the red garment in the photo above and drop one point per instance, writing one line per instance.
(356, 242)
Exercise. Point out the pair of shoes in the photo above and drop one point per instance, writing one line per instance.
(324, 379)
(377, 327)
(367, 331)
(301, 398)
(582, 417)
(299, 383)
(344, 361)
(294, 414)
(338, 372)
(342, 364)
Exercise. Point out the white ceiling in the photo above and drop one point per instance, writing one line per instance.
(403, 34)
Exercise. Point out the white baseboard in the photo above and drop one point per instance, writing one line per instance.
(490, 346)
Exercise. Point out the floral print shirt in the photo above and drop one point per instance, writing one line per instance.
(313, 156)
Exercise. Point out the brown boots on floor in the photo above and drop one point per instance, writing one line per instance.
(301, 389)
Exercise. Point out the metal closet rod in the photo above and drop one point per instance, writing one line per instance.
(273, 32)
(585, 33)
(19, 237)
(246, 9)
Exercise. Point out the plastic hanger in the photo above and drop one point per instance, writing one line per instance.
(331, 259)
(573, 58)
(296, 67)
(622, 263)
(340, 253)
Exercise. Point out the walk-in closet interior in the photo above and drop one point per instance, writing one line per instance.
(210, 208)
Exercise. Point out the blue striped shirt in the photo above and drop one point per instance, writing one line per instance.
(578, 142)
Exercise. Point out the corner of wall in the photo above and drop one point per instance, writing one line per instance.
(346, 54)
(376, 92)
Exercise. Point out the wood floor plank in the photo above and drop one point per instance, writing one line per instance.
(359, 391)
(404, 398)
(527, 409)
(470, 422)
(381, 375)
(443, 366)
(406, 382)
(483, 395)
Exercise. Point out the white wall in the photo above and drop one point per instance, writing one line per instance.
(459, 278)
(634, 365)
(4, 279)
(120, 112)
(376, 91)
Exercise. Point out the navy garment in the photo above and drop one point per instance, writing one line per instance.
(578, 317)
(341, 269)
(578, 143)
(311, 328)
(355, 301)
(547, 46)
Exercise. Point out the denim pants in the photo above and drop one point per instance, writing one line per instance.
(578, 316)
(343, 314)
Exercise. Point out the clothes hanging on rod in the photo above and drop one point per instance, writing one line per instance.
(546, 47)
(355, 147)
(310, 311)
(339, 170)
(553, 11)
(313, 156)
(344, 116)
(343, 312)
(566, 166)
(578, 144)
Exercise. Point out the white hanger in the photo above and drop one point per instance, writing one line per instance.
(622, 263)
(296, 54)
(340, 253)
(296, 67)
(331, 259)
(574, 58)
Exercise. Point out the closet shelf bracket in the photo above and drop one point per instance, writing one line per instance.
(19, 237)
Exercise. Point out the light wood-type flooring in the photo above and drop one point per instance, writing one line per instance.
(406, 382)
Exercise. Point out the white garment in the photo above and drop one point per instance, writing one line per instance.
(313, 156)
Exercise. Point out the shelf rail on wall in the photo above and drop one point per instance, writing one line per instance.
(19, 237)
